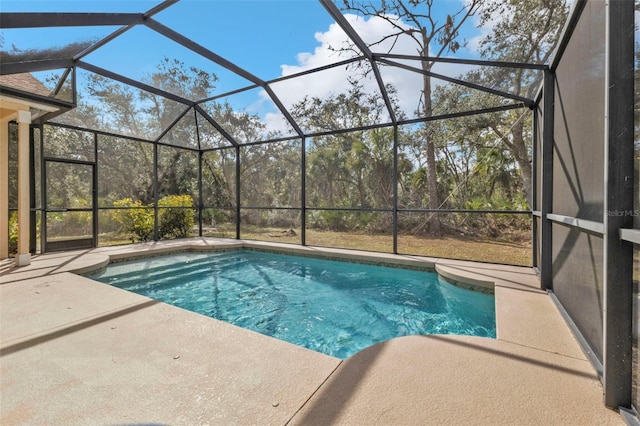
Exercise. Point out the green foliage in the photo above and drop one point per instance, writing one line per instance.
(135, 219)
(481, 162)
(218, 172)
(212, 218)
(332, 220)
(69, 225)
(175, 216)
(270, 174)
(336, 220)
(13, 232)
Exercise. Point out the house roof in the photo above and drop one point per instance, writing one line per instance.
(24, 82)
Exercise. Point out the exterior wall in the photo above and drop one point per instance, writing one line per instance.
(588, 192)
(578, 170)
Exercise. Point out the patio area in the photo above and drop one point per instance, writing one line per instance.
(74, 351)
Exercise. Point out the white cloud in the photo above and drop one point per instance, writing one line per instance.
(335, 80)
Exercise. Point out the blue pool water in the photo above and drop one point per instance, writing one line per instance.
(337, 308)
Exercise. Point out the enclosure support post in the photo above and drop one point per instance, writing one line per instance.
(96, 216)
(303, 192)
(32, 192)
(200, 154)
(618, 204)
(395, 189)
(237, 192)
(546, 202)
(534, 189)
(4, 186)
(43, 195)
(155, 192)
(23, 257)
(200, 204)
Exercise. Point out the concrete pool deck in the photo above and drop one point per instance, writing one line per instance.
(75, 351)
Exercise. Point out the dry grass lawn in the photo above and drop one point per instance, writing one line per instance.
(467, 248)
(517, 252)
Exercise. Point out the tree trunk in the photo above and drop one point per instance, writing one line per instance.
(430, 152)
(521, 155)
(363, 194)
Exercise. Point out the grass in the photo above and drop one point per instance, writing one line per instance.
(482, 250)
(517, 251)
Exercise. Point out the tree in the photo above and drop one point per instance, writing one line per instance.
(125, 170)
(337, 163)
(132, 112)
(471, 144)
(525, 31)
(218, 171)
(351, 169)
(126, 166)
(417, 20)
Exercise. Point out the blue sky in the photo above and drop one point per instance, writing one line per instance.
(268, 38)
(275, 31)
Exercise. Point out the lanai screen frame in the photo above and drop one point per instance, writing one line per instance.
(618, 232)
(614, 225)
(130, 20)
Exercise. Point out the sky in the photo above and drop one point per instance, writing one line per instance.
(268, 38)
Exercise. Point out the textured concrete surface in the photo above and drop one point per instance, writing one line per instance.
(456, 380)
(98, 355)
(74, 351)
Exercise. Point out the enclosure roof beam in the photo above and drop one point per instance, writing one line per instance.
(565, 35)
(61, 81)
(283, 78)
(203, 51)
(173, 123)
(262, 142)
(459, 114)
(217, 126)
(362, 46)
(480, 62)
(470, 113)
(55, 19)
(527, 101)
(33, 66)
(100, 132)
(225, 94)
(102, 42)
(134, 83)
(283, 110)
(21, 94)
(418, 120)
(159, 8)
(314, 70)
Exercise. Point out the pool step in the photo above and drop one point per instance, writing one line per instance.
(164, 271)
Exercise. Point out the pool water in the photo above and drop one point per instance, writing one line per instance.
(337, 308)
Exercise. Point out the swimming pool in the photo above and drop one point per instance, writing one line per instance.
(337, 308)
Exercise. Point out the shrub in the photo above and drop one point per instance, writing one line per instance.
(340, 221)
(333, 220)
(175, 216)
(135, 220)
(13, 233)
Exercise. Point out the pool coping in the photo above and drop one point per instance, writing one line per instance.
(528, 324)
(414, 262)
(409, 262)
(502, 280)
